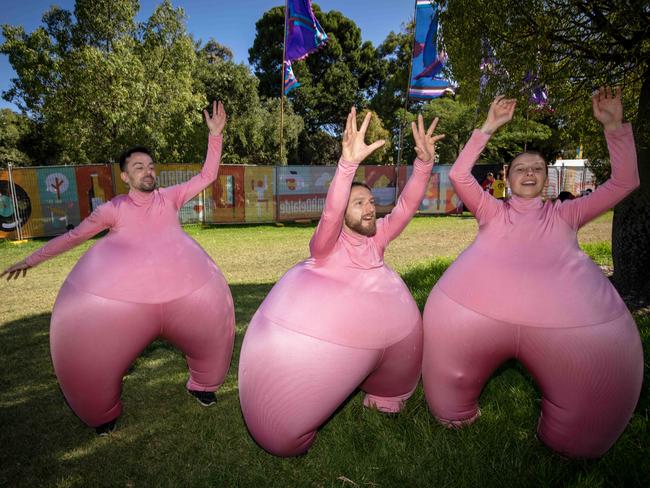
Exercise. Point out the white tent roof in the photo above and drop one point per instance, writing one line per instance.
(570, 162)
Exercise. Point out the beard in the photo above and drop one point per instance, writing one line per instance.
(147, 185)
(366, 228)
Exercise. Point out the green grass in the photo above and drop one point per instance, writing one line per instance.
(164, 438)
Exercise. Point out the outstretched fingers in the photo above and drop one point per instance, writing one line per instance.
(365, 123)
(432, 127)
(376, 145)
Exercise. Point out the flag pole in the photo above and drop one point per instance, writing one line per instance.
(406, 103)
(284, 54)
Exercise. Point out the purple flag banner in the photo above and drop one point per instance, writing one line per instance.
(538, 95)
(304, 34)
(290, 81)
(427, 80)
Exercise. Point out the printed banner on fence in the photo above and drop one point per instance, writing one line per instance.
(57, 189)
(302, 191)
(94, 187)
(27, 213)
(227, 197)
(552, 185)
(440, 197)
(260, 191)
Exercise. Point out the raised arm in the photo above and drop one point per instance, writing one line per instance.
(184, 192)
(354, 150)
(102, 218)
(411, 197)
(608, 110)
(478, 201)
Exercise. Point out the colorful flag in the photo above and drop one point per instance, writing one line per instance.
(489, 64)
(290, 81)
(304, 34)
(427, 80)
(538, 95)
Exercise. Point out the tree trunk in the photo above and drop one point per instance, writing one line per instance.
(631, 227)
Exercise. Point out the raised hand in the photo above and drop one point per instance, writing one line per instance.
(608, 108)
(15, 270)
(217, 122)
(501, 111)
(425, 141)
(354, 148)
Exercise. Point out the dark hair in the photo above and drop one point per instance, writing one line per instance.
(565, 195)
(127, 154)
(360, 183)
(532, 152)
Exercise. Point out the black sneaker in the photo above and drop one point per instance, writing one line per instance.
(106, 429)
(205, 398)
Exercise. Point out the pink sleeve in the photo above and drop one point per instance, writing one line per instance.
(184, 192)
(624, 179)
(102, 218)
(408, 203)
(331, 220)
(479, 202)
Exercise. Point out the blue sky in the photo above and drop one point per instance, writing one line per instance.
(230, 22)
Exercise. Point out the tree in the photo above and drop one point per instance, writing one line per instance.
(101, 82)
(375, 132)
(394, 59)
(339, 75)
(14, 128)
(573, 46)
(252, 131)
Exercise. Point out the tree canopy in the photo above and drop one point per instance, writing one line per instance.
(573, 47)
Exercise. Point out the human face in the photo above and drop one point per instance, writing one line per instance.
(527, 175)
(360, 216)
(140, 172)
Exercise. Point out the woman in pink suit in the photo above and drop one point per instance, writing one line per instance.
(552, 309)
(340, 320)
(145, 279)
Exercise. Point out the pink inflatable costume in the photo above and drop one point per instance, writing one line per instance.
(525, 290)
(145, 279)
(338, 321)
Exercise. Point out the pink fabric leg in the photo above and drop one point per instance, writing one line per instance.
(461, 350)
(202, 325)
(394, 381)
(93, 341)
(290, 383)
(590, 379)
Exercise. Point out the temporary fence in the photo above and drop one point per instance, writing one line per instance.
(47, 201)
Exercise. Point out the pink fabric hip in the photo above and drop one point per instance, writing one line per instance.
(94, 340)
(590, 376)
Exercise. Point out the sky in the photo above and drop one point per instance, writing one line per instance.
(230, 22)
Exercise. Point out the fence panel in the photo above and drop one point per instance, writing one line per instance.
(55, 198)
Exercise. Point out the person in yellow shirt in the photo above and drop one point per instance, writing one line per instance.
(499, 187)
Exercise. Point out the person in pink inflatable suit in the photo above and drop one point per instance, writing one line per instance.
(340, 320)
(145, 279)
(553, 309)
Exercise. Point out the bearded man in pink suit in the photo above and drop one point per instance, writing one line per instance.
(340, 320)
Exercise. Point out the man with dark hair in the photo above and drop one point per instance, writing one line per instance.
(340, 320)
(127, 154)
(145, 279)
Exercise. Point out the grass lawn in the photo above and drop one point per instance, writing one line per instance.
(164, 438)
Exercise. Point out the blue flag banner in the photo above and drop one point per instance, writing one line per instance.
(427, 80)
(290, 81)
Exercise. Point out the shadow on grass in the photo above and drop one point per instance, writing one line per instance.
(164, 438)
